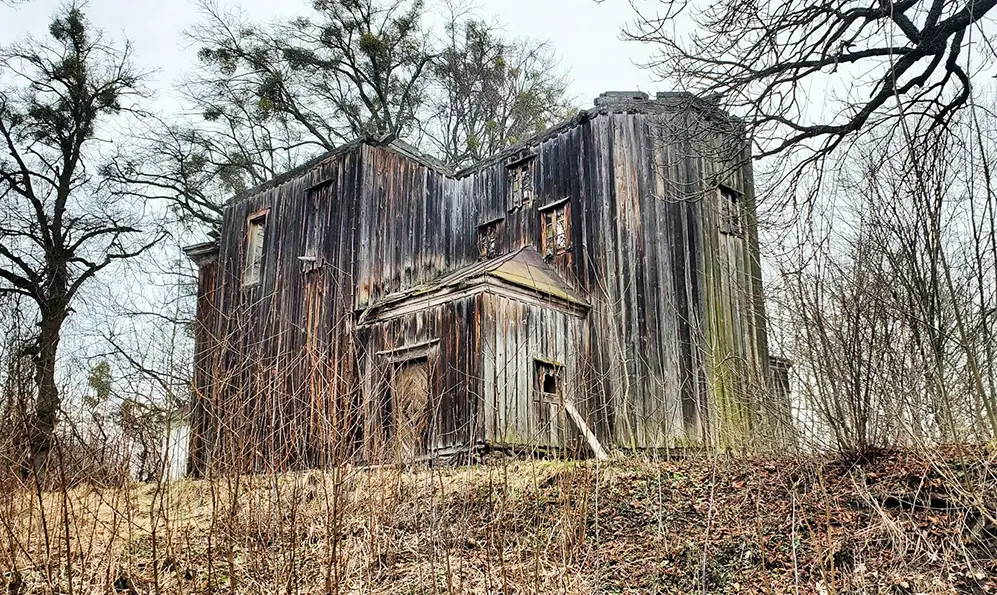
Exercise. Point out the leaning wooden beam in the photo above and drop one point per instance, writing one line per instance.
(600, 452)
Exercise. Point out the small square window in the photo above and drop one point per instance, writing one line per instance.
(547, 381)
(255, 238)
(729, 211)
(488, 239)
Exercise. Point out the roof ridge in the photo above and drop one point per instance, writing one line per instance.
(662, 102)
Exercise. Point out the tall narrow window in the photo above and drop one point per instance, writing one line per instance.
(555, 220)
(316, 202)
(255, 236)
(488, 239)
(729, 211)
(520, 182)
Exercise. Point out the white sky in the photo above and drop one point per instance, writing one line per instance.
(584, 33)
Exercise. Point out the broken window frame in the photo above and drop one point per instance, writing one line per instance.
(549, 404)
(314, 203)
(730, 219)
(555, 228)
(256, 233)
(519, 174)
(543, 370)
(489, 238)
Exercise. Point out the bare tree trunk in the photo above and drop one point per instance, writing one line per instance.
(42, 426)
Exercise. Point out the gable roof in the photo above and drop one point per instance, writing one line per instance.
(524, 269)
(397, 146)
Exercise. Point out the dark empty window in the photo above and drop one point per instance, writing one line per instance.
(520, 182)
(488, 239)
(546, 381)
(255, 236)
(550, 384)
(729, 210)
(556, 229)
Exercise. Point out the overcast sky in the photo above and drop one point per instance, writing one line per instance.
(584, 33)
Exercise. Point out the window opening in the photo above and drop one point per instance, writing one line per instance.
(730, 211)
(550, 384)
(488, 239)
(255, 236)
(520, 178)
(556, 224)
(546, 380)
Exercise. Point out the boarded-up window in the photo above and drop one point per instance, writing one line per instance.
(255, 237)
(729, 211)
(488, 239)
(316, 201)
(520, 181)
(555, 222)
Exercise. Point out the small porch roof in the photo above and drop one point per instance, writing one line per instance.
(524, 269)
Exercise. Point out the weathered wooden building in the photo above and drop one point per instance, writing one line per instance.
(596, 286)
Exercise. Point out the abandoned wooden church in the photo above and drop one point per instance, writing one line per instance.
(596, 287)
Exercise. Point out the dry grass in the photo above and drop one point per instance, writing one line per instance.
(900, 524)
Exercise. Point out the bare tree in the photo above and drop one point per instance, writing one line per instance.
(849, 343)
(354, 68)
(488, 92)
(59, 225)
(191, 169)
(767, 62)
(267, 97)
(891, 295)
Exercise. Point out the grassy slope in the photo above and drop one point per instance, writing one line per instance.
(900, 524)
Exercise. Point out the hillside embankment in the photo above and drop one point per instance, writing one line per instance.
(898, 522)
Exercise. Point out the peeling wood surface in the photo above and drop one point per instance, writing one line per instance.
(670, 352)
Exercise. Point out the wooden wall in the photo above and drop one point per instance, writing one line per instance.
(671, 295)
(283, 389)
(678, 321)
(447, 335)
(202, 412)
(669, 351)
(411, 227)
(514, 335)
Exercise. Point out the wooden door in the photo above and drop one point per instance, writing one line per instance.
(410, 396)
(550, 406)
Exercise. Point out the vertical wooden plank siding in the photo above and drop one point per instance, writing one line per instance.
(671, 352)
